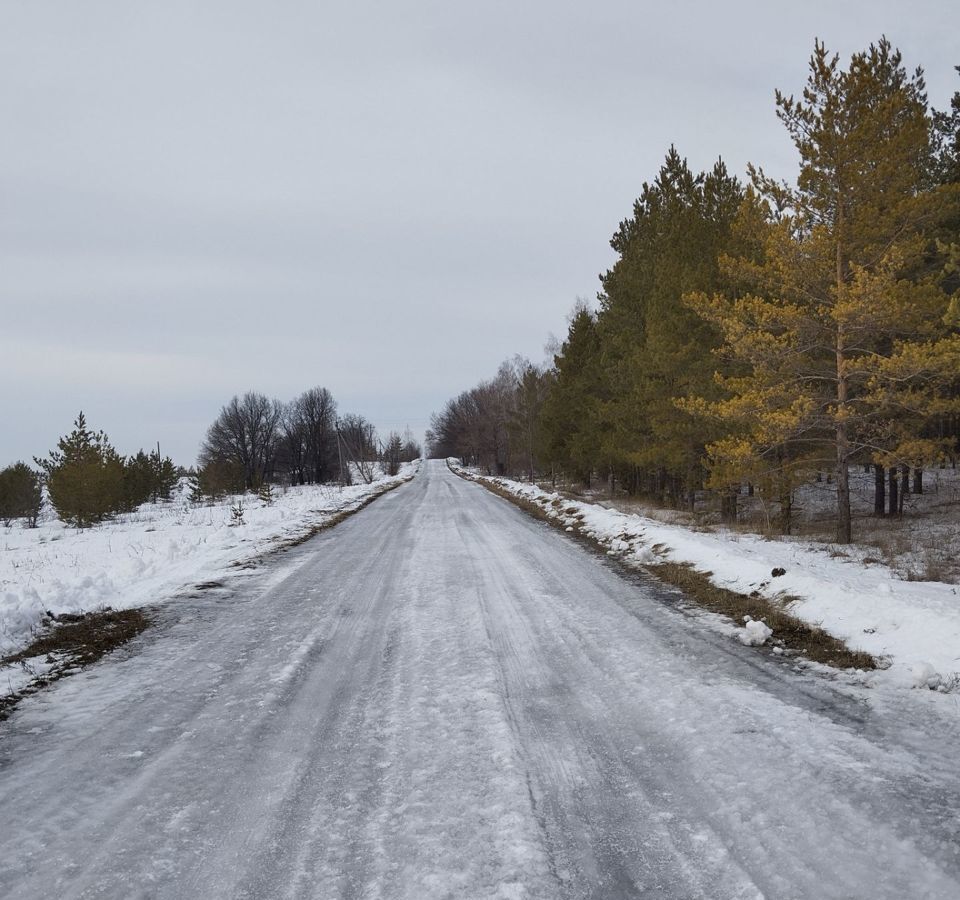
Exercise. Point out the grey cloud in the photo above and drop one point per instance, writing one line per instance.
(386, 198)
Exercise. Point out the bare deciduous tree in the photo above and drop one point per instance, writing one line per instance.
(246, 433)
(317, 411)
(358, 444)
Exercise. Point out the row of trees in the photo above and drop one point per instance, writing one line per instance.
(87, 481)
(767, 331)
(497, 424)
(256, 441)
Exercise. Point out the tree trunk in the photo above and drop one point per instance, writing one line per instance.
(904, 486)
(786, 512)
(879, 491)
(728, 507)
(918, 481)
(844, 525)
(894, 491)
(844, 529)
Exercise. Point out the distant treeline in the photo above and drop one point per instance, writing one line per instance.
(763, 332)
(256, 441)
(253, 443)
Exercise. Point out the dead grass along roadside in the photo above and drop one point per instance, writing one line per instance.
(70, 642)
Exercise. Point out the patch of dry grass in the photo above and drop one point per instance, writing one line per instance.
(73, 641)
(812, 642)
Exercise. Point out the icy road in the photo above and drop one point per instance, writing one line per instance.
(442, 697)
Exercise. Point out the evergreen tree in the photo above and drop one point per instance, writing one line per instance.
(654, 349)
(217, 479)
(147, 477)
(947, 138)
(840, 332)
(85, 477)
(570, 432)
(165, 476)
(392, 453)
(21, 494)
(138, 480)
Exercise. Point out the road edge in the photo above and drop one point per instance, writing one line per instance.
(101, 634)
(795, 638)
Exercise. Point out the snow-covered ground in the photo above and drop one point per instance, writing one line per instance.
(477, 709)
(913, 625)
(149, 555)
(921, 545)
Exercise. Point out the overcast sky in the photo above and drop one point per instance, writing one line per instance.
(201, 198)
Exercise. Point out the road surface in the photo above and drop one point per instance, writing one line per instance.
(442, 697)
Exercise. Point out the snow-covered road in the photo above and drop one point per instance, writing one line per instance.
(443, 697)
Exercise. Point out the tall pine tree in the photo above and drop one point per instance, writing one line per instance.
(654, 348)
(838, 328)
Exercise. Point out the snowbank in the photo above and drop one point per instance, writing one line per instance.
(149, 555)
(915, 625)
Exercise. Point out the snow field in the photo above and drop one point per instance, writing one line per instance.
(914, 626)
(149, 555)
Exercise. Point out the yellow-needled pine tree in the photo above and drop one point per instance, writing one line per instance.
(838, 318)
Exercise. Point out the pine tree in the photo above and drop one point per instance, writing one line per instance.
(392, 453)
(21, 494)
(197, 493)
(147, 477)
(138, 480)
(654, 348)
(837, 327)
(165, 476)
(85, 476)
(947, 137)
(570, 435)
(216, 479)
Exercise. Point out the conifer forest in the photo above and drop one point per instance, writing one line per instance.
(754, 334)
